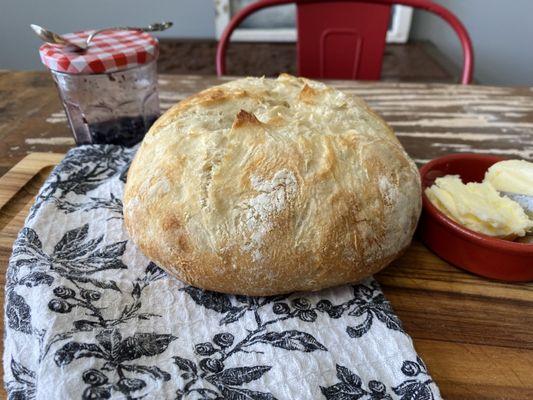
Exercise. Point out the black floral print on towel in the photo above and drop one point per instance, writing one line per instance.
(350, 387)
(81, 301)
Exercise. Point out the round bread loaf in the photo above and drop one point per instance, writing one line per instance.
(265, 186)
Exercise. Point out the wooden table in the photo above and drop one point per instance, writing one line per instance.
(475, 335)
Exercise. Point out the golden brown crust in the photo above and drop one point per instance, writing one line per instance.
(307, 94)
(244, 118)
(263, 186)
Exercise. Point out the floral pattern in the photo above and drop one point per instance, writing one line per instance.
(116, 354)
(351, 386)
(82, 298)
(23, 384)
(82, 171)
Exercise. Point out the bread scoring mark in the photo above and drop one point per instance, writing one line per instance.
(274, 196)
(245, 118)
(208, 169)
(307, 94)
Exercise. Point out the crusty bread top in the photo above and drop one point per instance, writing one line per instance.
(262, 186)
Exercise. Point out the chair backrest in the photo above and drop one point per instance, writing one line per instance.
(345, 39)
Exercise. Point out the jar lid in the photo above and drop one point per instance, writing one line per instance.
(108, 52)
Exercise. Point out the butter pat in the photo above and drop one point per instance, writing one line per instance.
(479, 207)
(513, 176)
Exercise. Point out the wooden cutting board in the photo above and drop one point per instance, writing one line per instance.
(475, 335)
(18, 188)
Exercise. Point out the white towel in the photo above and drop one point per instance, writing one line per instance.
(88, 316)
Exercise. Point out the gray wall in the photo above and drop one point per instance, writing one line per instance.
(19, 45)
(501, 32)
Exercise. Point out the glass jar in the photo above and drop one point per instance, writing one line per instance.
(114, 107)
(109, 91)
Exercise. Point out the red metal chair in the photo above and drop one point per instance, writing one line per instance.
(345, 39)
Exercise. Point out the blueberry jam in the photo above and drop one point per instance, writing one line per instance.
(125, 131)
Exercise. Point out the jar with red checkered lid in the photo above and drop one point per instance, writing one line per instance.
(109, 91)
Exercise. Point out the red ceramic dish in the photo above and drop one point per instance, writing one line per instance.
(481, 254)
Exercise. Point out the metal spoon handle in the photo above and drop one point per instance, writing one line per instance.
(155, 27)
(52, 37)
(525, 201)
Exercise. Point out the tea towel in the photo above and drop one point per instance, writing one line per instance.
(87, 316)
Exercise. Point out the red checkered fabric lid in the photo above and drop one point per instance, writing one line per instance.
(109, 51)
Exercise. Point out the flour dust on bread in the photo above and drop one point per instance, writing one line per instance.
(263, 186)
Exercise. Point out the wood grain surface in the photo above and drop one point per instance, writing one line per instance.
(474, 334)
(415, 61)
